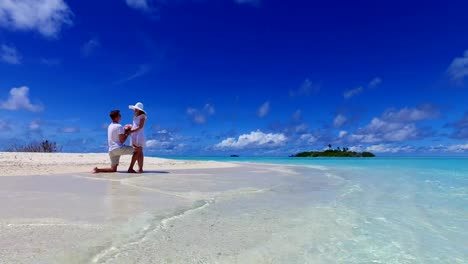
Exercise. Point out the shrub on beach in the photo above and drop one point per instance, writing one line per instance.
(44, 146)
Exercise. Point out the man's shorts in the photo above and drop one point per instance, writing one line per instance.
(116, 153)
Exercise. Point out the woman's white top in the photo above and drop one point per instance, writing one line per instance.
(138, 138)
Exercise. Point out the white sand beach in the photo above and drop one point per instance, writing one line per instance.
(24, 163)
(54, 210)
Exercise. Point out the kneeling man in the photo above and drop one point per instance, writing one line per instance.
(116, 137)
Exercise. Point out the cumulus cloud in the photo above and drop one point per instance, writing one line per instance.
(382, 148)
(264, 109)
(342, 133)
(395, 125)
(406, 114)
(458, 69)
(374, 83)
(385, 148)
(307, 88)
(164, 146)
(353, 92)
(166, 141)
(200, 116)
(339, 120)
(458, 148)
(379, 130)
(10, 55)
(48, 17)
(256, 139)
(90, 46)
(19, 99)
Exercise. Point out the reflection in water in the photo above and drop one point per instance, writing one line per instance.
(123, 201)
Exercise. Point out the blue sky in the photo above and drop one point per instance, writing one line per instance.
(249, 77)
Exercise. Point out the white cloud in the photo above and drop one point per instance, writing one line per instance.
(374, 83)
(69, 130)
(164, 146)
(19, 99)
(406, 114)
(200, 116)
(90, 46)
(35, 125)
(308, 138)
(458, 69)
(458, 148)
(45, 16)
(385, 148)
(165, 141)
(307, 88)
(382, 148)
(350, 93)
(152, 143)
(339, 120)
(253, 140)
(10, 55)
(395, 125)
(264, 109)
(379, 130)
(342, 133)
(141, 5)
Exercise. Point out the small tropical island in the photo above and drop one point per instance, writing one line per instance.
(338, 152)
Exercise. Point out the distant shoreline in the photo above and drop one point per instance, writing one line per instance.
(334, 154)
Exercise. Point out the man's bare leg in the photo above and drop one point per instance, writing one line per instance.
(111, 169)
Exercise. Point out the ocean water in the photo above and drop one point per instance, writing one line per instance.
(378, 210)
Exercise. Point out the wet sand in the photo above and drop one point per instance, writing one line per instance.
(178, 211)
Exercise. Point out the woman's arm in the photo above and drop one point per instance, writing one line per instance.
(141, 126)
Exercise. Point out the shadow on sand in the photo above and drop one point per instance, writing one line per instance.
(144, 172)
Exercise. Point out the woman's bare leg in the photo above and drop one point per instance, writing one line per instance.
(140, 160)
(134, 159)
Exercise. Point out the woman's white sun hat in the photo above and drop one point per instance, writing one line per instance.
(137, 106)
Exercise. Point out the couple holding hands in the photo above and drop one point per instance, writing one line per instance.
(117, 135)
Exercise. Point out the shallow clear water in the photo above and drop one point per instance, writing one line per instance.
(380, 210)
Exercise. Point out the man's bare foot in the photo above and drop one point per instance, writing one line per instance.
(131, 171)
(140, 171)
(95, 170)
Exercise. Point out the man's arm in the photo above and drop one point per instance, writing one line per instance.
(123, 137)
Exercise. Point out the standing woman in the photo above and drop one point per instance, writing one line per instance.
(138, 136)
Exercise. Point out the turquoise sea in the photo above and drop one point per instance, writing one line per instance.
(376, 210)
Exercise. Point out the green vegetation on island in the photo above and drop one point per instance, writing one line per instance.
(340, 153)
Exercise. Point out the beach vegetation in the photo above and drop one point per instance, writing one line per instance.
(338, 152)
(43, 146)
